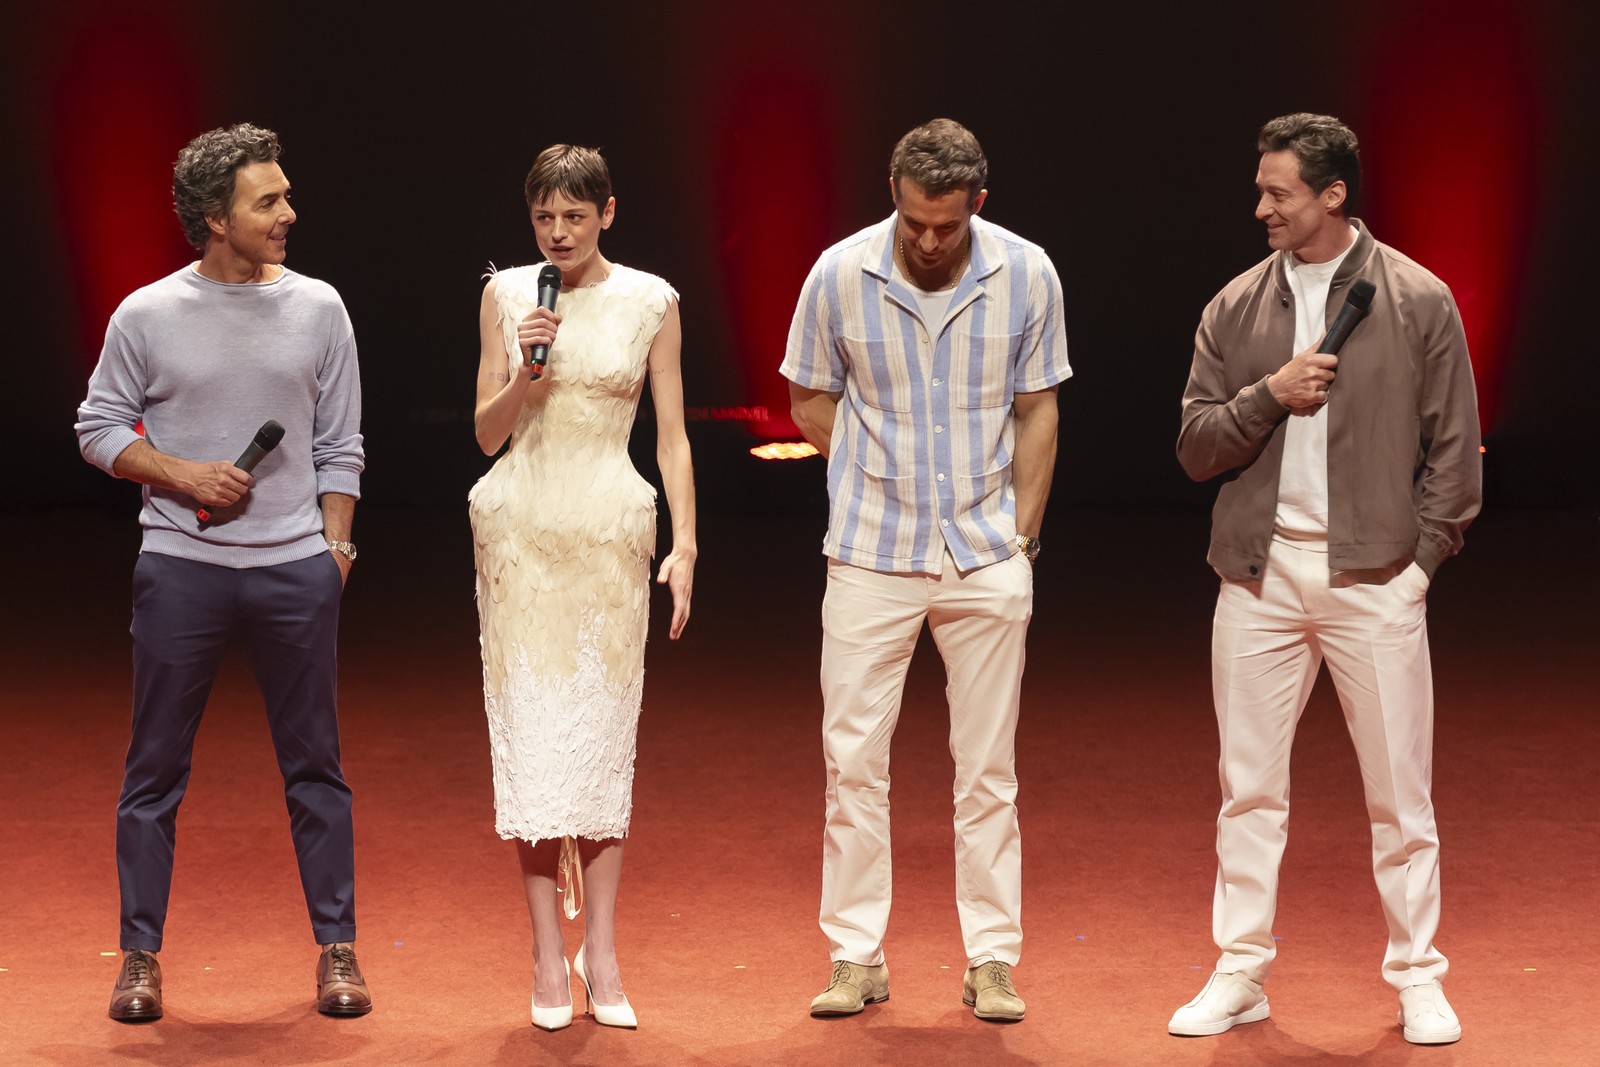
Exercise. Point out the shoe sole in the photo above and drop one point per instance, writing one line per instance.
(138, 1015)
(992, 1016)
(828, 1013)
(343, 1012)
(1433, 1037)
(997, 1017)
(1448, 1038)
(1254, 1015)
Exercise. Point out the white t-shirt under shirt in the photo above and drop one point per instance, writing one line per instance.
(932, 305)
(1303, 478)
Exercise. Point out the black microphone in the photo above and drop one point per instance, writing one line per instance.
(549, 287)
(1355, 308)
(265, 440)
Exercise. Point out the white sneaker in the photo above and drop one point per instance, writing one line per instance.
(1226, 1001)
(1427, 1015)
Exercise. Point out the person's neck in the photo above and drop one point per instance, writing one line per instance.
(1335, 242)
(942, 278)
(235, 270)
(596, 270)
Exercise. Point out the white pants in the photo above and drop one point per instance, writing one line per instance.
(1268, 640)
(870, 625)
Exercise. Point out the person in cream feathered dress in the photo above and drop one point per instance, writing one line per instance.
(563, 532)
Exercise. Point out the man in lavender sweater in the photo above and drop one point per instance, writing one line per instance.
(203, 358)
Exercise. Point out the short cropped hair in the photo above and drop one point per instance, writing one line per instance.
(1326, 148)
(204, 176)
(575, 172)
(940, 156)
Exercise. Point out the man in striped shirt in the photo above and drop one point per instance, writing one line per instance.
(924, 359)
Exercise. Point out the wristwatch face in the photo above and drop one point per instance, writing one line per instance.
(347, 549)
(1029, 546)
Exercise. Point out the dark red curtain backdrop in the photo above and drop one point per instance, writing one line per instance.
(123, 96)
(746, 138)
(1458, 116)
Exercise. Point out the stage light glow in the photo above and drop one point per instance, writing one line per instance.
(774, 138)
(785, 450)
(1452, 161)
(123, 101)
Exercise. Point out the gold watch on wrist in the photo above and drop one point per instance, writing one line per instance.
(1029, 546)
(347, 549)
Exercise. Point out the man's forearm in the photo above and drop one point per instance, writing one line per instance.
(338, 516)
(1034, 464)
(813, 413)
(141, 463)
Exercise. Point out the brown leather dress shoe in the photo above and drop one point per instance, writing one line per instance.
(340, 988)
(137, 995)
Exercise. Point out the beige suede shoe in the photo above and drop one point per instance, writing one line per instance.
(851, 988)
(988, 990)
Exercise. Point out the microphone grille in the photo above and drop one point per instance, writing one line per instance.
(549, 276)
(1361, 293)
(269, 435)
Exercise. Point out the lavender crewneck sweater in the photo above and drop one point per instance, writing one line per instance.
(204, 364)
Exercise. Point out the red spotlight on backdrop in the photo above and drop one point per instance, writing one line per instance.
(776, 206)
(1452, 161)
(122, 101)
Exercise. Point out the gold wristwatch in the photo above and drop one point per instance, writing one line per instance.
(347, 549)
(1029, 546)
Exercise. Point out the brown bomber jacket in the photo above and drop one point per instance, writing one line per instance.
(1405, 475)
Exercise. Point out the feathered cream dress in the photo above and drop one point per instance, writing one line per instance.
(563, 532)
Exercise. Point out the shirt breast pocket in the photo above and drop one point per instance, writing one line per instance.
(982, 389)
(980, 371)
(879, 380)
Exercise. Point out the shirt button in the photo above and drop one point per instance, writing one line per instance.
(944, 522)
(938, 429)
(941, 477)
(937, 382)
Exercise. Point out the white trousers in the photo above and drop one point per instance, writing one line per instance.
(870, 625)
(1268, 640)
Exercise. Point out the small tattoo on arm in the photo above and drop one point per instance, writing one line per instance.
(502, 377)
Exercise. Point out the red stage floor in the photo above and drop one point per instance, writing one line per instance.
(720, 948)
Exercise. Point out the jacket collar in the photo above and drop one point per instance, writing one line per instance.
(1354, 265)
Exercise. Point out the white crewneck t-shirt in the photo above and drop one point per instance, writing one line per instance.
(931, 304)
(1303, 479)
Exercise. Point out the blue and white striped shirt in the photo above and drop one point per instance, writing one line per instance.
(923, 437)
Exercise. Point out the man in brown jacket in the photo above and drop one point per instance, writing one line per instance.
(1347, 480)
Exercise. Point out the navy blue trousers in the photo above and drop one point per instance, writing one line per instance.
(185, 614)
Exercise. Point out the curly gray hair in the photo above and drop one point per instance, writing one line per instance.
(203, 176)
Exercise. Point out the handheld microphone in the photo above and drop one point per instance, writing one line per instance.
(265, 440)
(1355, 308)
(549, 288)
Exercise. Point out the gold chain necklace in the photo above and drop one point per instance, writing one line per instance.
(900, 244)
